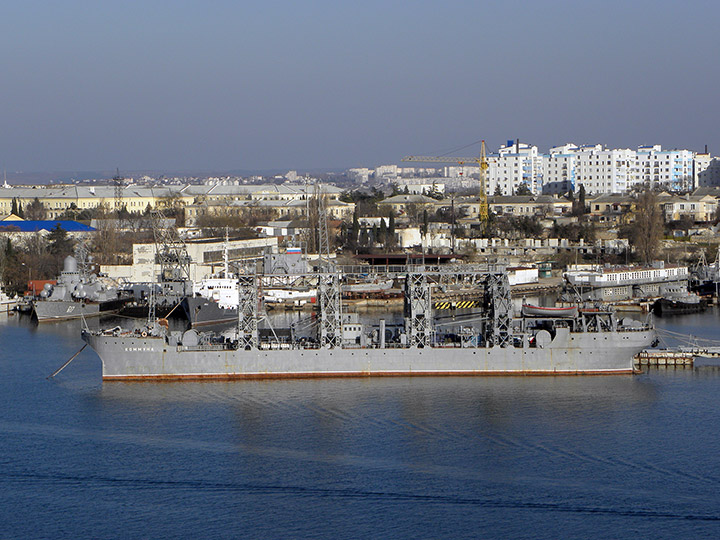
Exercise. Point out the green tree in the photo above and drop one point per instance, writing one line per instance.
(9, 249)
(384, 237)
(59, 244)
(36, 210)
(354, 231)
(578, 205)
(425, 221)
(391, 242)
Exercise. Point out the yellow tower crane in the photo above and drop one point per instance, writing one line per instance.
(482, 162)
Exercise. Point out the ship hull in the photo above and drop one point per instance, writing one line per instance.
(152, 358)
(203, 312)
(665, 306)
(61, 310)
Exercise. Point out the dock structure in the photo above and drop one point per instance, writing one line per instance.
(681, 356)
(664, 357)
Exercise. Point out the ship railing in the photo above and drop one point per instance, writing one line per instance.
(403, 269)
(274, 346)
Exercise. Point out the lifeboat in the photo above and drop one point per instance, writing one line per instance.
(529, 310)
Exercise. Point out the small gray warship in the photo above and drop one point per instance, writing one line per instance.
(494, 342)
(76, 294)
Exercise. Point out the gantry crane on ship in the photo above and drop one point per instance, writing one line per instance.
(482, 162)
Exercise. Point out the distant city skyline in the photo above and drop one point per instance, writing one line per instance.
(46, 176)
(273, 86)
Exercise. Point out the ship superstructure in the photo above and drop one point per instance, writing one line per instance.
(610, 283)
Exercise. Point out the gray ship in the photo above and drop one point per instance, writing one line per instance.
(494, 343)
(200, 312)
(75, 295)
(214, 300)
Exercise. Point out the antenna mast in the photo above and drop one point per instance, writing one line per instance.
(171, 253)
(118, 181)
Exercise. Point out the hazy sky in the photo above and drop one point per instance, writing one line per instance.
(217, 85)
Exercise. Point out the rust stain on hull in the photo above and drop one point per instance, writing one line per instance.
(255, 376)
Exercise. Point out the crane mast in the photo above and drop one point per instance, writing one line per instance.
(482, 162)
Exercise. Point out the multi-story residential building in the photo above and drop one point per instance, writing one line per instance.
(389, 172)
(516, 164)
(700, 165)
(670, 168)
(601, 170)
(707, 171)
(423, 186)
(461, 171)
(360, 174)
(559, 169)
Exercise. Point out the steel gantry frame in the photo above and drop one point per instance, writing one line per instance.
(418, 310)
(329, 300)
(248, 285)
(498, 308)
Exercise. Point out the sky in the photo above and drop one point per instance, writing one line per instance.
(233, 85)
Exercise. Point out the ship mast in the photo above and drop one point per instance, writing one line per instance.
(226, 256)
(171, 253)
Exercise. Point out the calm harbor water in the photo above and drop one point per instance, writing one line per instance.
(566, 457)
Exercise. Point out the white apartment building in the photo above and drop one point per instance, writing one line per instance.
(386, 171)
(461, 171)
(603, 170)
(707, 172)
(567, 167)
(360, 174)
(559, 169)
(516, 164)
(421, 186)
(670, 168)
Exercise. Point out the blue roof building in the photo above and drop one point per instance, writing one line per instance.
(43, 225)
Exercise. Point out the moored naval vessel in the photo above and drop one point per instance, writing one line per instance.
(76, 294)
(494, 342)
(214, 299)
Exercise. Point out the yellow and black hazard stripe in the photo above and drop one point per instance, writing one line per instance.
(463, 304)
